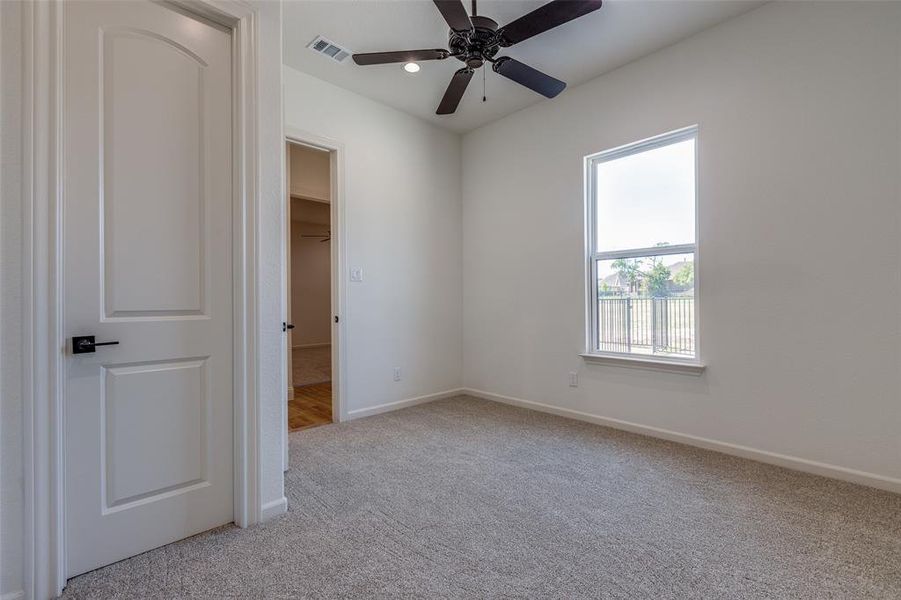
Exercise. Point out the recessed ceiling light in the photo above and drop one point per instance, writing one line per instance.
(411, 67)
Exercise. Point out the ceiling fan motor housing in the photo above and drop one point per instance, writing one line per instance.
(477, 45)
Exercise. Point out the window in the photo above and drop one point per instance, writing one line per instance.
(642, 249)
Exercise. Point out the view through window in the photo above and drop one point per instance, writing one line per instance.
(642, 263)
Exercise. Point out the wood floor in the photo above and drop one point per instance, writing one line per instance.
(311, 406)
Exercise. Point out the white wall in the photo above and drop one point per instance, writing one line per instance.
(272, 305)
(799, 107)
(11, 473)
(403, 219)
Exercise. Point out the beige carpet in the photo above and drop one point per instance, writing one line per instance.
(311, 365)
(463, 498)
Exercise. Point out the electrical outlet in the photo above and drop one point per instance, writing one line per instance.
(356, 274)
(573, 379)
(396, 373)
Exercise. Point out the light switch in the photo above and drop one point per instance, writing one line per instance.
(356, 274)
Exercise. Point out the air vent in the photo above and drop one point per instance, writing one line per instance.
(329, 49)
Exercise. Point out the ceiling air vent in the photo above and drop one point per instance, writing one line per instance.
(327, 48)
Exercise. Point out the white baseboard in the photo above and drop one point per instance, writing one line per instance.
(300, 346)
(389, 406)
(274, 509)
(17, 595)
(882, 482)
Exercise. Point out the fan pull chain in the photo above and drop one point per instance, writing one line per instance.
(484, 86)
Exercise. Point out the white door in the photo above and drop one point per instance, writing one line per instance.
(147, 186)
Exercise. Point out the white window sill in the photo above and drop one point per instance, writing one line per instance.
(652, 364)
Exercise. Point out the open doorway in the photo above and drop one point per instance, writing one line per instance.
(310, 273)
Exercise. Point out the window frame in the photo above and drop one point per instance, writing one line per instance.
(592, 353)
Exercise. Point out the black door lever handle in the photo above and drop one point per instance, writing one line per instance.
(83, 344)
(287, 326)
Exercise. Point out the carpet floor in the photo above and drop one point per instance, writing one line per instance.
(464, 498)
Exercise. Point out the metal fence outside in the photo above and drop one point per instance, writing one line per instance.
(645, 324)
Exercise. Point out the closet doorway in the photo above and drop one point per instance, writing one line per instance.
(309, 286)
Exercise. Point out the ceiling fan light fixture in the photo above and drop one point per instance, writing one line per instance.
(475, 40)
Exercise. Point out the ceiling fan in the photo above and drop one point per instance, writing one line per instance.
(475, 40)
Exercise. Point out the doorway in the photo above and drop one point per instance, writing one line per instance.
(310, 277)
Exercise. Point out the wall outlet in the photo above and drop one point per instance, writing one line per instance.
(396, 373)
(573, 379)
(356, 274)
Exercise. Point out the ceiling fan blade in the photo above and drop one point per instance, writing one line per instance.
(381, 58)
(454, 13)
(525, 75)
(545, 17)
(455, 91)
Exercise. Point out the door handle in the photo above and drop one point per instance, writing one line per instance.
(83, 344)
(287, 326)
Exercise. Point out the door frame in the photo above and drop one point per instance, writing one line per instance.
(338, 253)
(44, 338)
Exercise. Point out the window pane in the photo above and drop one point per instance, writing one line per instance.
(647, 199)
(647, 305)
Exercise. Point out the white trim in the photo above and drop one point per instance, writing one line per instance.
(44, 544)
(399, 404)
(247, 327)
(317, 345)
(592, 256)
(44, 541)
(274, 508)
(882, 482)
(338, 226)
(17, 595)
(637, 361)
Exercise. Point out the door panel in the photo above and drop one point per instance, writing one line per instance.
(169, 402)
(149, 79)
(147, 222)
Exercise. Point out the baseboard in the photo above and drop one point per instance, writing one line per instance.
(322, 345)
(274, 509)
(399, 404)
(882, 482)
(17, 595)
